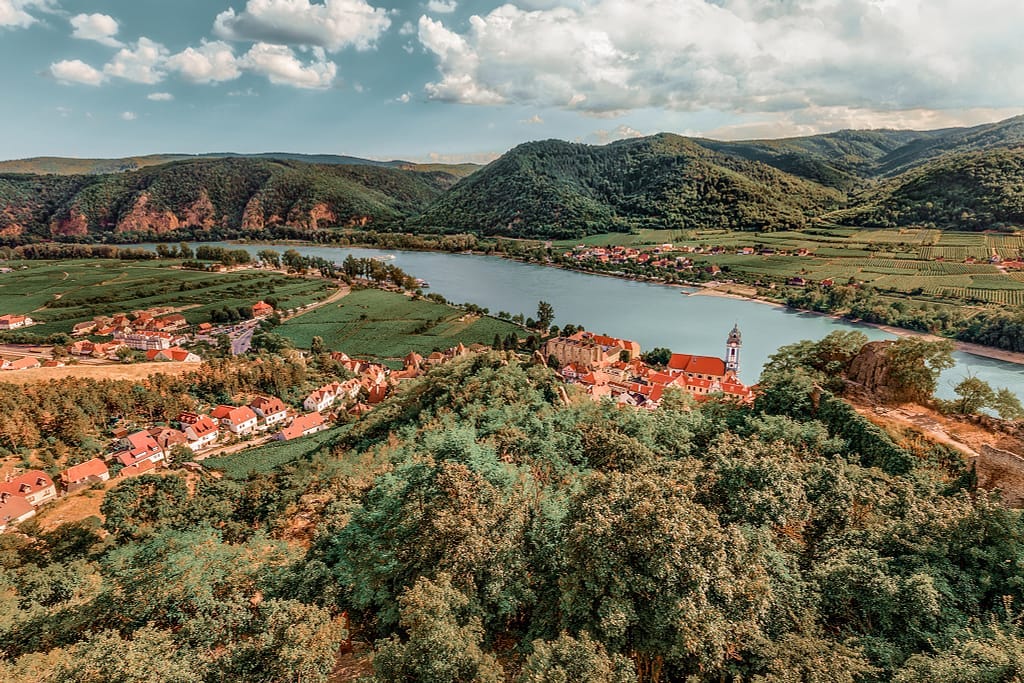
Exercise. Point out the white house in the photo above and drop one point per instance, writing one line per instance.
(270, 409)
(201, 433)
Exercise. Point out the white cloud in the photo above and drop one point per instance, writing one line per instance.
(160, 97)
(534, 120)
(248, 92)
(404, 98)
(332, 24)
(14, 14)
(280, 65)
(64, 111)
(621, 132)
(407, 29)
(141, 64)
(737, 56)
(128, 116)
(98, 27)
(211, 62)
(76, 71)
(442, 6)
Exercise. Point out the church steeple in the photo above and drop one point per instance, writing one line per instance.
(732, 350)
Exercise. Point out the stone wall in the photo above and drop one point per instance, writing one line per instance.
(999, 469)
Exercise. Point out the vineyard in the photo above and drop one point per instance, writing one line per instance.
(1014, 297)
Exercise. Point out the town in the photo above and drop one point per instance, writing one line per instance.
(604, 368)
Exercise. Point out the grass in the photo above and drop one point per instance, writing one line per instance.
(385, 325)
(267, 458)
(62, 293)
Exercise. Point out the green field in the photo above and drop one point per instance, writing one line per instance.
(900, 261)
(62, 293)
(385, 325)
(267, 458)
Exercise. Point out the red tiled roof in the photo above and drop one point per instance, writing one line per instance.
(15, 507)
(301, 424)
(89, 468)
(698, 365)
(239, 415)
(221, 411)
(29, 482)
(203, 426)
(270, 405)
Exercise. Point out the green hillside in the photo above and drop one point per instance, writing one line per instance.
(841, 160)
(214, 193)
(971, 191)
(561, 189)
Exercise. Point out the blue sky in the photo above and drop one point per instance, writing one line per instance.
(467, 79)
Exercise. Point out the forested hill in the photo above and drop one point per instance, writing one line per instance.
(213, 193)
(970, 191)
(963, 178)
(561, 189)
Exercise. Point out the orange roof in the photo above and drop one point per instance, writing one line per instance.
(89, 468)
(269, 405)
(203, 426)
(29, 482)
(138, 468)
(15, 507)
(221, 411)
(698, 365)
(239, 415)
(301, 424)
(24, 363)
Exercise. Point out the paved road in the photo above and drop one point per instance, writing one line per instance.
(242, 342)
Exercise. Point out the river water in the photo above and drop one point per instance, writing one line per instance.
(652, 314)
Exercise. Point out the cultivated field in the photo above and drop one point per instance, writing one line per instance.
(134, 371)
(62, 293)
(943, 266)
(385, 325)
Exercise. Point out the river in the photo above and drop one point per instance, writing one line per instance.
(652, 314)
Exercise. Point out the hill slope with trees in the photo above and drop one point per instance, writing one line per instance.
(483, 525)
(561, 189)
(963, 178)
(213, 193)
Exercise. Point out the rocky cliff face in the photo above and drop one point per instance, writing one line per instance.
(75, 224)
(870, 369)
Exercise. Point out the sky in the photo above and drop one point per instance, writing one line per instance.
(465, 80)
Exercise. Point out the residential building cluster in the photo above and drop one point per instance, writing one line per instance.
(607, 367)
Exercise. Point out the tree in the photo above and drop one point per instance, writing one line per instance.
(185, 252)
(1007, 405)
(569, 659)
(974, 394)
(915, 365)
(657, 356)
(545, 315)
(443, 644)
(143, 503)
(655, 576)
(270, 257)
(316, 346)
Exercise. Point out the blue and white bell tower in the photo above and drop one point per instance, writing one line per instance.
(732, 350)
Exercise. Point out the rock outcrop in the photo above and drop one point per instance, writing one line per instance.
(75, 224)
(146, 218)
(870, 369)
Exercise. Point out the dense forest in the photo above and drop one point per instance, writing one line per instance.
(483, 525)
(967, 178)
(561, 189)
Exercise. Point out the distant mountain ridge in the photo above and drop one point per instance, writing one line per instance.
(955, 178)
(74, 166)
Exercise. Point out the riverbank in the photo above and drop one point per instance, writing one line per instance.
(965, 347)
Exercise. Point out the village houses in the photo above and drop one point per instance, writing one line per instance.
(14, 322)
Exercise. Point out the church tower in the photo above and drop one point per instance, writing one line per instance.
(732, 350)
